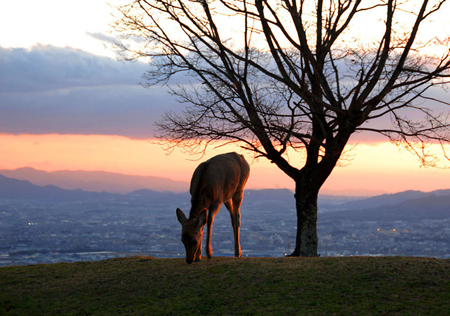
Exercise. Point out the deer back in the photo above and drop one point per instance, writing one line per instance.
(217, 180)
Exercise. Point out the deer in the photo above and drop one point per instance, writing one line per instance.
(219, 180)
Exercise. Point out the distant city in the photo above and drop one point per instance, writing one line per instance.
(50, 225)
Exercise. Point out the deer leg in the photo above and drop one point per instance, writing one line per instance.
(198, 255)
(235, 214)
(212, 213)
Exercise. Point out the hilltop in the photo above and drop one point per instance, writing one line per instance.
(229, 286)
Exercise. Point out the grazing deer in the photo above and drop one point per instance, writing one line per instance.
(218, 180)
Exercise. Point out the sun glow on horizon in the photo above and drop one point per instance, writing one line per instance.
(376, 167)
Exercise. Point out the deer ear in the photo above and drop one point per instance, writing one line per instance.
(181, 217)
(202, 218)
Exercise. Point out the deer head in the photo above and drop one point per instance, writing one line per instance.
(192, 234)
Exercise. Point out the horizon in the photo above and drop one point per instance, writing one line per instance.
(82, 179)
(379, 167)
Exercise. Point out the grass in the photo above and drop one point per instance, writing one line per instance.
(229, 286)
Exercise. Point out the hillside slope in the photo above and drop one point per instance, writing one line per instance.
(229, 286)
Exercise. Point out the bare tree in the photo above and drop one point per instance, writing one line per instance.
(273, 75)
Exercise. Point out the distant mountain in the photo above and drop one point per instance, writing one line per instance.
(390, 199)
(384, 199)
(96, 181)
(408, 205)
(25, 190)
(423, 205)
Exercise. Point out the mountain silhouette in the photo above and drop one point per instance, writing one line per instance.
(96, 181)
(384, 199)
(25, 190)
(433, 205)
(408, 205)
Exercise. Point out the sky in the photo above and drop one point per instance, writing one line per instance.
(68, 103)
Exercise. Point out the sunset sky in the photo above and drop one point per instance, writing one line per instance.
(67, 103)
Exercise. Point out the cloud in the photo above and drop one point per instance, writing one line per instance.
(51, 90)
(102, 37)
(44, 68)
(68, 91)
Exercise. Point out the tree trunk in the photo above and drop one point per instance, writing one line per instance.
(306, 205)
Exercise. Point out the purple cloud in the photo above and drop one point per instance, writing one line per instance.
(69, 91)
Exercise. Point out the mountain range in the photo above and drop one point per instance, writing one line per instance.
(96, 181)
(25, 190)
(408, 205)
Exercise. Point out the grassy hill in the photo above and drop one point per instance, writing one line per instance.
(229, 286)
